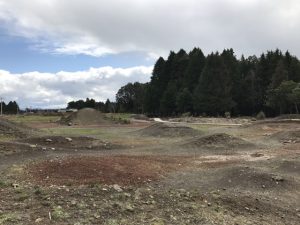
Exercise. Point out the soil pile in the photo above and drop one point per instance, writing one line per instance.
(250, 178)
(68, 142)
(168, 130)
(218, 141)
(291, 136)
(290, 167)
(11, 129)
(9, 148)
(86, 116)
(121, 170)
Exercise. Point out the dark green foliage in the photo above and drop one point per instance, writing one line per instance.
(11, 108)
(212, 95)
(194, 69)
(168, 100)
(285, 98)
(130, 98)
(219, 83)
(88, 103)
(184, 101)
(280, 74)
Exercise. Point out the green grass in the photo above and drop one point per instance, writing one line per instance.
(202, 128)
(101, 133)
(8, 218)
(58, 213)
(32, 118)
(3, 184)
(5, 138)
(125, 116)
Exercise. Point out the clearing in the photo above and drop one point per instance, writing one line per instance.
(93, 168)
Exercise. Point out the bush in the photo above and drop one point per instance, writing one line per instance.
(261, 115)
(186, 114)
(227, 115)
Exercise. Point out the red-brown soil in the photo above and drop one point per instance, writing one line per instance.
(122, 170)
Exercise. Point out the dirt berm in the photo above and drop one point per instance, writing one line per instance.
(11, 129)
(168, 130)
(68, 142)
(86, 116)
(292, 136)
(217, 141)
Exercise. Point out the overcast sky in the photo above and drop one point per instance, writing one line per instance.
(54, 51)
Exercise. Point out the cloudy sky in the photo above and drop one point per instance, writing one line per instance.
(54, 51)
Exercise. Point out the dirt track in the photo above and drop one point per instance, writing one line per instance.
(247, 174)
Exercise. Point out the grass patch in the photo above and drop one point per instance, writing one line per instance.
(28, 119)
(8, 218)
(74, 131)
(3, 184)
(5, 138)
(124, 116)
(58, 213)
(101, 133)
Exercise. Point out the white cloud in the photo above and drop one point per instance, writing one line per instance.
(99, 27)
(47, 90)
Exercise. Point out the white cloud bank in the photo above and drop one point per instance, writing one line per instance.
(49, 90)
(99, 27)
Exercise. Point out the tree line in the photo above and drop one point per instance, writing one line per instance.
(106, 107)
(216, 84)
(11, 107)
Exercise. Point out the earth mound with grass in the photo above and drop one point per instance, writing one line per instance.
(11, 129)
(86, 116)
(168, 130)
(218, 141)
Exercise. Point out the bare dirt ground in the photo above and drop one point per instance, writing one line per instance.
(149, 173)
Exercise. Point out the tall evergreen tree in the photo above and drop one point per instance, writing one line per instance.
(194, 69)
(184, 101)
(280, 74)
(213, 92)
(168, 100)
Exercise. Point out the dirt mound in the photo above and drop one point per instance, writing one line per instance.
(11, 129)
(292, 167)
(258, 209)
(218, 141)
(288, 116)
(291, 136)
(122, 170)
(68, 142)
(249, 178)
(9, 148)
(168, 130)
(86, 116)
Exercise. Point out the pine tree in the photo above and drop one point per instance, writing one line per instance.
(184, 101)
(194, 69)
(213, 92)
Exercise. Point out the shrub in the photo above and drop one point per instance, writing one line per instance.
(186, 114)
(261, 115)
(227, 115)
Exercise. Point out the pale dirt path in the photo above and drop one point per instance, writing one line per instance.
(193, 123)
